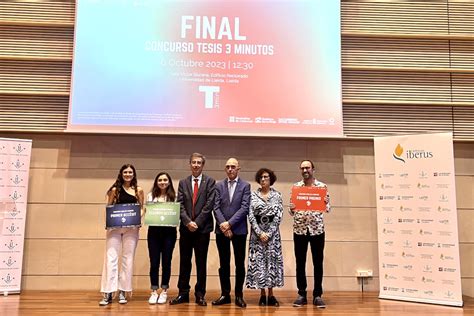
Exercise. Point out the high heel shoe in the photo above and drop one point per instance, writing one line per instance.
(272, 301)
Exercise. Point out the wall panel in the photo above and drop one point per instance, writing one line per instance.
(406, 119)
(36, 42)
(421, 17)
(35, 77)
(58, 13)
(396, 86)
(461, 17)
(397, 52)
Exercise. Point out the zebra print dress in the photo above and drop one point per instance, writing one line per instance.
(265, 263)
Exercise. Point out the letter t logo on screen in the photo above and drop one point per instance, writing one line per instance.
(209, 96)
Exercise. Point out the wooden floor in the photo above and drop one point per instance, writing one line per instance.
(338, 303)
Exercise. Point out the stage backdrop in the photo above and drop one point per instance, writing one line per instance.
(220, 67)
(14, 170)
(417, 219)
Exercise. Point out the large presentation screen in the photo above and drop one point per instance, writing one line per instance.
(208, 67)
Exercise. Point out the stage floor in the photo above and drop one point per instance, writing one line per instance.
(338, 303)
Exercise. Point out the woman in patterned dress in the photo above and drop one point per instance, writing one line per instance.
(265, 266)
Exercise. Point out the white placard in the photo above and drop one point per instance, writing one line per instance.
(15, 157)
(417, 219)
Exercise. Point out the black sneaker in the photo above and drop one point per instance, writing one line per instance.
(318, 301)
(106, 300)
(300, 301)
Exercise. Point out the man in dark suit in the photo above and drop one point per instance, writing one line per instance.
(231, 208)
(196, 195)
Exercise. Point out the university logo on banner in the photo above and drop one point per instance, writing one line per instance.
(417, 219)
(14, 171)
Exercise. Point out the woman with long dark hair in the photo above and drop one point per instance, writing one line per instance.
(121, 241)
(161, 240)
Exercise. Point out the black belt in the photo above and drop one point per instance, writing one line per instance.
(264, 219)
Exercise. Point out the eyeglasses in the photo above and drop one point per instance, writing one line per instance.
(231, 167)
(265, 177)
(305, 168)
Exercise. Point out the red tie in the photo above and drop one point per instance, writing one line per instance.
(195, 194)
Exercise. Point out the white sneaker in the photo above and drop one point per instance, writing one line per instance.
(163, 297)
(153, 298)
(122, 298)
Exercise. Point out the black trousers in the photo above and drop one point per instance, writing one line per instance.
(223, 247)
(161, 242)
(317, 252)
(199, 243)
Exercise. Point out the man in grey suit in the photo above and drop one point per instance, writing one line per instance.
(196, 195)
(231, 208)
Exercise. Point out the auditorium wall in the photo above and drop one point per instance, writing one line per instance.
(65, 236)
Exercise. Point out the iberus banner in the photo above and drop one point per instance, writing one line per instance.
(14, 171)
(417, 219)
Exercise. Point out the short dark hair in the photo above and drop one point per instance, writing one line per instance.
(261, 171)
(197, 155)
(312, 164)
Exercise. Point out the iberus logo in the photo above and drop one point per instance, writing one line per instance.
(398, 153)
(411, 154)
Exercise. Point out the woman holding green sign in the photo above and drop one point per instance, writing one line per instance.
(121, 240)
(161, 240)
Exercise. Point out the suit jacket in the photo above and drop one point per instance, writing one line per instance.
(235, 211)
(203, 207)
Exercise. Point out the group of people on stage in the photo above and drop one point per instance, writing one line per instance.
(233, 205)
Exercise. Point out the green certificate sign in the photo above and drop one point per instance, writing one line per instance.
(162, 214)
